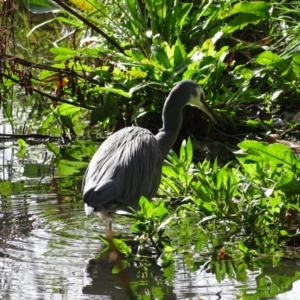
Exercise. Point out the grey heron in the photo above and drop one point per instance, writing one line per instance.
(128, 164)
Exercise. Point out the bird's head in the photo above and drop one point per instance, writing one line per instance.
(196, 97)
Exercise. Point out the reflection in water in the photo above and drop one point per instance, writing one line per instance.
(100, 281)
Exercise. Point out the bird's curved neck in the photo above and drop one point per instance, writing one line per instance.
(172, 119)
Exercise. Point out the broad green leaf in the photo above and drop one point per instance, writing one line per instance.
(138, 226)
(268, 58)
(122, 246)
(66, 121)
(47, 121)
(258, 8)
(158, 54)
(67, 167)
(66, 113)
(273, 154)
(169, 171)
(147, 207)
(168, 249)
(160, 211)
(116, 269)
(243, 247)
(239, 22)
(179, 54)
(134, 74)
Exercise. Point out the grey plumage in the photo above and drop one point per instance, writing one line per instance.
(128, 164)
(120, 171)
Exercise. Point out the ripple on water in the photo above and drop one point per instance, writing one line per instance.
(46, 243)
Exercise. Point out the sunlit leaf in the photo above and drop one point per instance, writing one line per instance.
(147, 207)
(243, 247)
(160, 211)
(122, 246)
(116, 269)
(268, 58)
(273, 154)
(258, 8)
(241, 21)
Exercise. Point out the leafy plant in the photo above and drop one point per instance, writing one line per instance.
(150, 224)
(178, 171)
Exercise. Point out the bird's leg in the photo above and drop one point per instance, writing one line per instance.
(116, 258)
(110, 234)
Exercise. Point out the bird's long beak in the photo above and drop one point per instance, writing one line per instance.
(201, 104)
(199, 101)
(205, 108)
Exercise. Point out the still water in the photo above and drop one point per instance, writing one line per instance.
(47, 243)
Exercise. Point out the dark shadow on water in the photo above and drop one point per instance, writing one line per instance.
(146, 280)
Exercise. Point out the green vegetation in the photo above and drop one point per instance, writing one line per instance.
(113, 63)
(248, 207)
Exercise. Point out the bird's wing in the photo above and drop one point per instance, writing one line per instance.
(125, 167)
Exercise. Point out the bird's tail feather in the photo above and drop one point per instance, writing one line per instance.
(88, 209)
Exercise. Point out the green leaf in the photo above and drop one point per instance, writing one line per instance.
(239, 22)
(170, 185)
(255, 151)
(160, 211)
(168, 249)
(183, 13)
(243, 247)
(67, 167)
(296, 64)
(116, 269)
(169, 171)
(122, 246)
(159, 54)
(189, 152)
(147, 207)
(268, 58)
(257, 8)
(66, 121)
(68, 109)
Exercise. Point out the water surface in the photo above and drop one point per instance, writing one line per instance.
(47, 246)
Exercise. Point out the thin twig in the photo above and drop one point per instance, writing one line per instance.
(90, 24)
